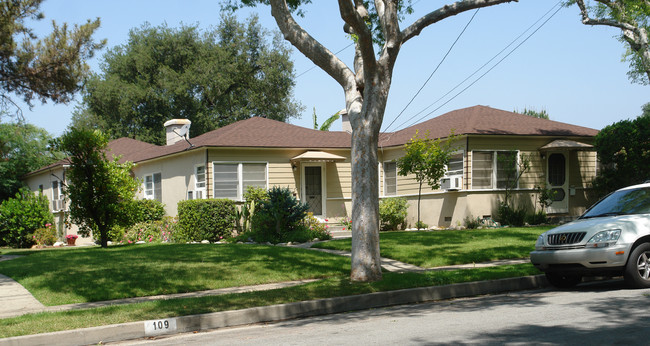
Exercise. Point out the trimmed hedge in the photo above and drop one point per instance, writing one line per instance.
(205, 219)
(21, 216)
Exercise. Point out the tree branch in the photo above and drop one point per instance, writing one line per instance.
(445, 12)
(364, 45)
(601, 21)
(309, 46)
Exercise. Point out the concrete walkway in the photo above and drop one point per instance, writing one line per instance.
(15, 300)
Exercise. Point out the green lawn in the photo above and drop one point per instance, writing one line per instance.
(440, 248)
(75, 275)
(326, 288)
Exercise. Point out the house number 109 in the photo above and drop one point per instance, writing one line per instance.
(156, 327)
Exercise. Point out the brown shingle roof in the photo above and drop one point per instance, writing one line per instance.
(483, 120)
(259, 132)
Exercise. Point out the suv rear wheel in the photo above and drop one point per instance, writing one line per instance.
(637, 270)
(563, 280)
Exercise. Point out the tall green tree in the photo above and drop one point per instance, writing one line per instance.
(99, 189)
(52, 68)
(23, 148)
(533, 113)
(379, 38)
(427, 160)
(632, 17)
(213, 78)
(624, 153)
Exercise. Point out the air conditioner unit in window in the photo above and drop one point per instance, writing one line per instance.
(452, 183)
(58, 204)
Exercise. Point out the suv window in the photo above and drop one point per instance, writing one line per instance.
(634, 201)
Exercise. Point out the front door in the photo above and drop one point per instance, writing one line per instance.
(558, 182)
(313, 189)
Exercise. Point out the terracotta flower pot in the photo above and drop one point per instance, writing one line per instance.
(71, 241)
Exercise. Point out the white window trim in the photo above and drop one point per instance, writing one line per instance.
(383, 171)
(153, 185)
(495, 168)
(240, 175)
(203, 189)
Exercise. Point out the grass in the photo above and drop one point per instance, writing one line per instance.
(64, 276)
(326, 288)
(440, 248)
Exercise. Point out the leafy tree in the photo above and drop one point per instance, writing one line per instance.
(375, 28)
(51, 68)
(533, 113)
(23, 148)
(21, 216)
(427, 159)
(624, 152)
(327, 123)
(212, 78)
(99, 189)
(632, 17)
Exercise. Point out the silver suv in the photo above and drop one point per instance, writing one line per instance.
(611, 238)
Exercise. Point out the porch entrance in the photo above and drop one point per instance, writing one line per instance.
(558, 182)
(313, 189)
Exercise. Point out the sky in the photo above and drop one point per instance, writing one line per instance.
(574, 72)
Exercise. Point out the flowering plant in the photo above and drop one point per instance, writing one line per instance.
(71, 236)
(346, 222)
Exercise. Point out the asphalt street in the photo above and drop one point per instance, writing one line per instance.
(596, 313)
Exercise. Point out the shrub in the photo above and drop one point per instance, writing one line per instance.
(421, 225)
(509, 216)
(279, 219)
(21, 216)
(205, 219)
(392, 213)
(158, 231)
(244, 214)
(537, 219)
(45, 236)
(346, 222)
(315, 228)
(472, 222)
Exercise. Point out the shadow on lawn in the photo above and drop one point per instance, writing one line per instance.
(95, 274)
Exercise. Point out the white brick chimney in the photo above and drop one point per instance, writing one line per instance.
(345, 121)
(177, 130)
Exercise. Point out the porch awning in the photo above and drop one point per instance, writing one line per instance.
(317, 156)
(566, 144)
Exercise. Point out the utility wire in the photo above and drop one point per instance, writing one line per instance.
(434, 71)
(484, 65)
(313, 67)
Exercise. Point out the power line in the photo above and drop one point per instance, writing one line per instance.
(484, 65)
(313, 67)
(434, 71)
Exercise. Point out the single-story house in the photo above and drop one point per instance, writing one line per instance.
(316, 165)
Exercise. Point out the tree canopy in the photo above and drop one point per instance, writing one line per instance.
(213, 78)
(23, 148)
(51, 68)
(99, 189)
(632, 17)
(624, 153)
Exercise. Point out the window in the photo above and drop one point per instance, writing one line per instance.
(484, 174)
(57, 196)
(232, 179)
(453, 178)
(153, 187)
(199, 183)
(390, 178)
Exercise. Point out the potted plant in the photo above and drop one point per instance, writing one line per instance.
(71, 238)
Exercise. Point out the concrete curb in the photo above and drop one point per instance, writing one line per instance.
(142, 329)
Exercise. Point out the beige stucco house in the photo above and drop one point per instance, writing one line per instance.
(315, 165)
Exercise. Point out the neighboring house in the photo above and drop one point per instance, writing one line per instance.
(316, 166)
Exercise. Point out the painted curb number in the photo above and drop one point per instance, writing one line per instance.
(156, 327)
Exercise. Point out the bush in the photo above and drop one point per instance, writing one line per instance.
(205, 219)
(244, 214)
(21, 216)
(280, 218)
(346, 222)
(392, 213)
(537, 219)
(472, 222)
(509, 216)
(45, 236)
(159, 231)
(315, 228)
(421, 225)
